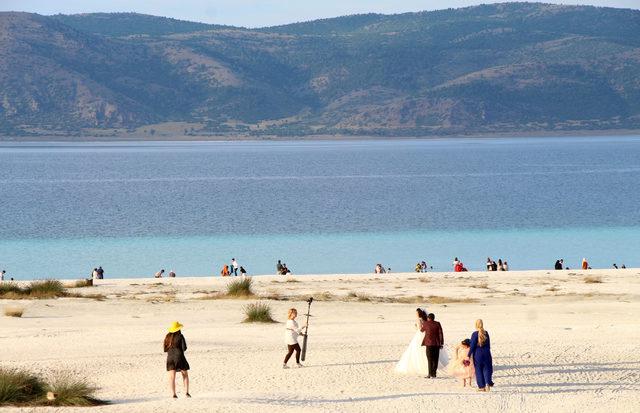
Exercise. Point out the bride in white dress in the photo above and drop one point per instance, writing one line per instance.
(414, 358)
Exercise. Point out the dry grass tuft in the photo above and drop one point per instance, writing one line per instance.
(423, 279)
(257, 312)
(240, 288)
(590, 279)
(483, 285)
(81, 283)
(553, 289)
(14, 311)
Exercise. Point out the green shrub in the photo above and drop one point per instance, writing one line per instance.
(240, 288)
(258, 313)
(71, 391)
(19, 387)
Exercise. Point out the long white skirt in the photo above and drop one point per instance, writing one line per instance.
(414, 358)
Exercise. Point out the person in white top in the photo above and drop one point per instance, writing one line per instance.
(2, 275)
(234, 266)
(291, 338)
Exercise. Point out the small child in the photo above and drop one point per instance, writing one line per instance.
(462, 367)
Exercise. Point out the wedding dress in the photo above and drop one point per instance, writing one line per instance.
(414, 358)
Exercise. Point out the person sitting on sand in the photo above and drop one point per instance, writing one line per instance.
(94, 274)
(585, 264)
(285, 269)
(243, 272)
(489, 264)
(172, 274)
(291, 338)
(175, 345)
(480, 353)
(462, 367)
(279, 268)
(100, 273)
(456, 262)
(418, 267)
(225, 271)
(558, 265)
(505, 266)
(159, 274)
(459, 267)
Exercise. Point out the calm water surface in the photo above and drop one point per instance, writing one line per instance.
(320, 206)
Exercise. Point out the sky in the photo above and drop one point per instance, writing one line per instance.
(259, 13)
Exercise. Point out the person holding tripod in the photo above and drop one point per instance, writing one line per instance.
(291, 338)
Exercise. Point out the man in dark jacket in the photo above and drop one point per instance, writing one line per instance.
(433, 340)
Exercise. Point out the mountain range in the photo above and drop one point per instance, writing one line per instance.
(499, 68)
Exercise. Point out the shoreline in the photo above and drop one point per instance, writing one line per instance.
(329, 276)
(305, 138)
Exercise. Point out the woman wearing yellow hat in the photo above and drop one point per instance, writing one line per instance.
(175, 345)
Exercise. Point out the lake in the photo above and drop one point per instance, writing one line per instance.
(320, 206)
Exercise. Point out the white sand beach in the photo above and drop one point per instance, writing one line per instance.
(559, 343)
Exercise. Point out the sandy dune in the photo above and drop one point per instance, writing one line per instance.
(559, 343)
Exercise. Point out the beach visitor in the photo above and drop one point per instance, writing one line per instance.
(423, 266)
(100, 273)
(559, 264)
(615, 266)
(279, 268)
(480, 351)
(243, 272)
(505, 266)
(285, 269)
(494, 266)
(159, 273)
(489, 265)
(418, 267)
(433, 341)
(462, 367)
(456, 262)
(585, 264)
(175, 345)
(172, 274)
(291, 338)
(2, 275)
(94, 274)
(234, 267)
(500, 265)
(224, 272)
(623, 266)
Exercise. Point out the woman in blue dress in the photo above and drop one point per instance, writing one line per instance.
(480, 350)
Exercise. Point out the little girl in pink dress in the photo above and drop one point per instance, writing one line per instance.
(462, 367)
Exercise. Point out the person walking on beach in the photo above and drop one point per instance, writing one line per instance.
(175, 345)
(480, 351)
(94, 274)
(159, 274)
(433, 341)
(100, 273)
(291, 338)
(234, 267)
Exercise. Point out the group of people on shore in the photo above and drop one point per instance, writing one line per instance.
(233, 268)
(160, 274)
(379, 269)
(97, 273)
(422, 266)
(499, 266)
(426, 353)
(282, 269)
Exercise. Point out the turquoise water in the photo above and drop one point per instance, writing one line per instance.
(322, 207)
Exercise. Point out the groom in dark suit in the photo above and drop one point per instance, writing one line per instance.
(433, 340)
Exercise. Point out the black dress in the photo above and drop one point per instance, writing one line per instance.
(175, 354)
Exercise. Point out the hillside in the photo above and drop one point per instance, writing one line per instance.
(512, 67)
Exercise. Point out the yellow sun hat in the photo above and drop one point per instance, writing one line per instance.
(175, 326)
